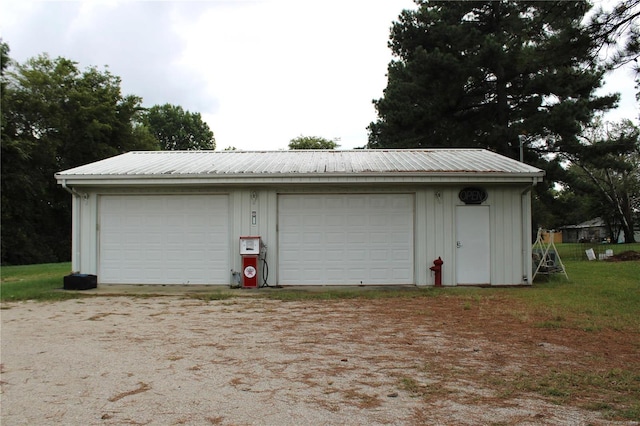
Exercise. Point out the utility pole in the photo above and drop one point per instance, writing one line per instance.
(521, 140)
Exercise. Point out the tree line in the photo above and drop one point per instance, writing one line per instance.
(56, 116)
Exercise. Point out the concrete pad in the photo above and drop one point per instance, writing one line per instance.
(191, 289)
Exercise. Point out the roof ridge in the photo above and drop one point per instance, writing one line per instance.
(355, 150)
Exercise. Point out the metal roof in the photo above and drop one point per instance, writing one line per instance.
(298, 163)
(302, 162)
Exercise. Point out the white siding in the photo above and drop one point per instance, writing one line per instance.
(433, 231)
(510, 244)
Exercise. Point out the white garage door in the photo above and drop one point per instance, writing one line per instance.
(164, 239)
(345, 239)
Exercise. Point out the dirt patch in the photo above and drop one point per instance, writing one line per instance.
(445, 360)
(624, 256)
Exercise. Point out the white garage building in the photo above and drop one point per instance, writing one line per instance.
(370, 217)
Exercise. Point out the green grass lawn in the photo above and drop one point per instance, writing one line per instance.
(576, 251)
(598, 294)
(34, 282)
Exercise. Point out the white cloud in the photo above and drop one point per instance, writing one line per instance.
(282, 69)
(134, 39)
(621, 81)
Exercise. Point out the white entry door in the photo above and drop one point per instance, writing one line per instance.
(473, 245)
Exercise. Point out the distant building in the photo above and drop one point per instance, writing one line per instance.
(557, 237)
(594, 230)
(589, 231)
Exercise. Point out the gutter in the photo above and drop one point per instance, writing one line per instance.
(296, 178)
(76, 243)
(72, 191)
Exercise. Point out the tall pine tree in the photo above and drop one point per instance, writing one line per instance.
(490, 74)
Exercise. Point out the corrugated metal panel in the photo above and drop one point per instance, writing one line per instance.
(269, 163)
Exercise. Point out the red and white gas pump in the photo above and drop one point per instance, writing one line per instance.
(250, 252)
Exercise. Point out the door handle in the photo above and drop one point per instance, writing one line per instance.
(458, 244)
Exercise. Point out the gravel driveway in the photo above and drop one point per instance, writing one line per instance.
(253, 361)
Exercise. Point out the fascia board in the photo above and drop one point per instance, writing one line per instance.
(155, 180)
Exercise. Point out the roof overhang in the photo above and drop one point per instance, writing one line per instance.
(255, 168)
(297, 179)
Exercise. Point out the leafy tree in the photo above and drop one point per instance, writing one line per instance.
(617, 36)
(177, 129)
(607, 171)
(572, 207)
(618, 30)
(54, 117)
(312, 142)
(142, 134)
(486, 73)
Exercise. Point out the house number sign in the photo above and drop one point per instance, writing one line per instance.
(473, 195)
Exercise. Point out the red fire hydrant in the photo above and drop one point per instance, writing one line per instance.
(437, 268)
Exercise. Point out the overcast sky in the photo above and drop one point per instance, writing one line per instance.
(260, 72)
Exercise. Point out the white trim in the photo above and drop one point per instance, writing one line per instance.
(445, 178)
